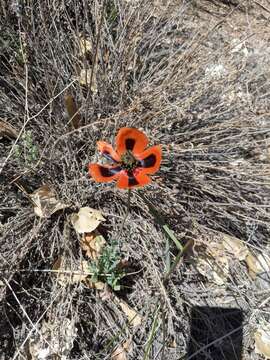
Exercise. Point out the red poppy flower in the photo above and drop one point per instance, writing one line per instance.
(131, 161)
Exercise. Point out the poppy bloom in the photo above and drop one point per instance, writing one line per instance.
(131, 162)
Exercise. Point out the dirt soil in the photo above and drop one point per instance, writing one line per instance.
(194, 77)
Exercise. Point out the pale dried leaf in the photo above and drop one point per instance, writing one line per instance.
(45, 202)
(212, 271)
(54, 339)
(7, 130)
(86, 47)
(213, 263)
(93, 244)
(262, 341)
(86, 220)
(257, 264)
(95, 285)
(121, 352)
(134, 318)
(235, 246)
(251, 263)
(85, 79)
(172, 344)
(99, 285)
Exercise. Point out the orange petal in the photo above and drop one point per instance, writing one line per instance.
(102, 173)
(108, 151)
(130, 139)
(129, 181)
(150, 160)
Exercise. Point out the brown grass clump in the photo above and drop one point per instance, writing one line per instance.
(195, 77)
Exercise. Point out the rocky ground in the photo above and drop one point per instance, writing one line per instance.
(194, 76)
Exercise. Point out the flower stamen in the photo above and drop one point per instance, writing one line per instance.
(128, 161)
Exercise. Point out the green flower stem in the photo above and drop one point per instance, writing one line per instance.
(128, 204)
(125, 217)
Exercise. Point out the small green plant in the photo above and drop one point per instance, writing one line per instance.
(25, 150)
(106, 268)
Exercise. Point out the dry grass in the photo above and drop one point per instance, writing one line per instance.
(178, 72)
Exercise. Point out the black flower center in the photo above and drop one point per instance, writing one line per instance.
(128, 161)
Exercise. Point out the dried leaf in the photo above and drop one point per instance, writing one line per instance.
(53, 340)
(257, 264)
(252, 268)
(72, 111)
(262, 341)
(85, 79)
(7, 130)
(213, 263)
(121, 352)
(86, 220)
(134, 318)
(85, 74)
(93, 244)
(67, 276)
(45, 202)
(86, 47)
(172, 344)
(235, 246)
(99, 285)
